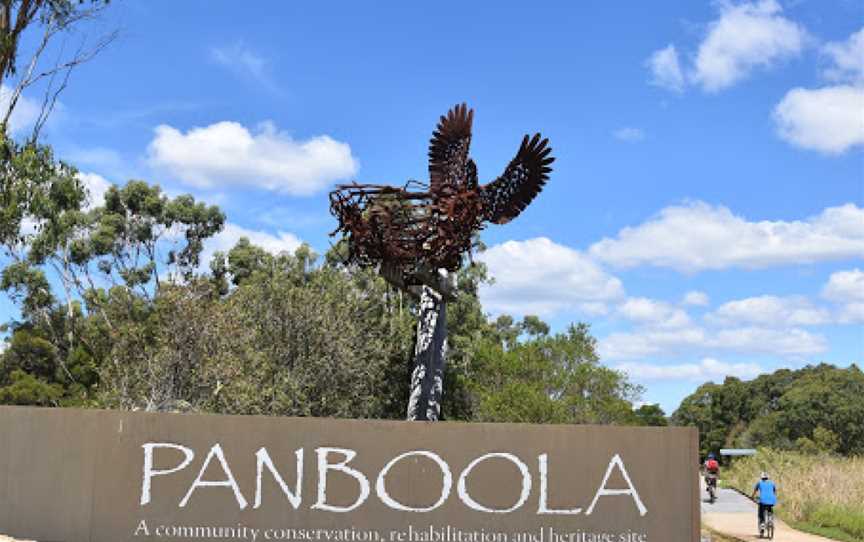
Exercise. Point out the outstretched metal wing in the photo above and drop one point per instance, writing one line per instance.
(450, 169)
(508, 195)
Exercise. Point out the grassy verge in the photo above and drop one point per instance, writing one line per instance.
(835, 522)
(828, 532)
(818, 494)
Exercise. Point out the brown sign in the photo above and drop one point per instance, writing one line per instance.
(86, 475)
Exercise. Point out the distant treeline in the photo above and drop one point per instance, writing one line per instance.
(815, 409)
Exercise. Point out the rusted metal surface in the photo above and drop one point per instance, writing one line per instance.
(414, 230)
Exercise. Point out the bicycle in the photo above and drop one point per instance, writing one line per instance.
(766, 529)
(711, 481)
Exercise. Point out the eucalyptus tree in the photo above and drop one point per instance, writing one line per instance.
(106, 262)
(41, 216)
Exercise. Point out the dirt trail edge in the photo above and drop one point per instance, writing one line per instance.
(734, 515)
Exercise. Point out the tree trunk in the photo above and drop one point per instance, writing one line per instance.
(427, 377)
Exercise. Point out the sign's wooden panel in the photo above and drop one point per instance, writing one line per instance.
(79, 475)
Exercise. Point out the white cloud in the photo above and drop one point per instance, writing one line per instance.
(540, 277)
(29, 226)
(226, 153)
(847, 58)
(593, 308)
(782, 342)
(244, 62)
(789, 342)
(648, 342)
(851, 313)
(107, 162)
(629, 134)
(274, 244)
(697, 236)
(770, 311)
(225, 240)
(707, 369)
(846, 289)
(696, 298)
(828, 120)
(745, 37)
(665, 69)
(96, 186)
(231, 233)
(845, 286)
(653, 313)
(24, 115)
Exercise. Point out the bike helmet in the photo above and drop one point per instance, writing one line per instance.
(711, 455)
(764, 475)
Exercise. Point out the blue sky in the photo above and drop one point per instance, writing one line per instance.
(705, 212)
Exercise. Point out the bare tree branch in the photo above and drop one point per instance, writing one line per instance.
(20, 86)
(32, 75)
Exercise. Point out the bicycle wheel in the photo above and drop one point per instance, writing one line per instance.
(770, 526)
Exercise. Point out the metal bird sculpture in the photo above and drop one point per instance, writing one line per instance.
(415, 237)
(411, 234)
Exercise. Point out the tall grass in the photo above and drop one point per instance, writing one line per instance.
(815, 492)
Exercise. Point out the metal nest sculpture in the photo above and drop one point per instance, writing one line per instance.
(412, 232)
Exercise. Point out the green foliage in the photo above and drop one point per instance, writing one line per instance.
(823, 441)
(26, 389)
(127, 231)
(31, 353)
(28, 174)
(650, 415)
(545, 379)
(815, 409)
(28, 286)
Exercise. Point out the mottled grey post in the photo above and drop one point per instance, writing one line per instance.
(430, 352)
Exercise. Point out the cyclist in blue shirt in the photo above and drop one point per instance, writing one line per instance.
(767, 496)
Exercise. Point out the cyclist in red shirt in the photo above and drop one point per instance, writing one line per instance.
(712, 469)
